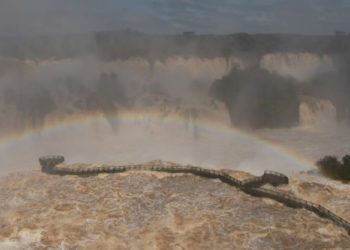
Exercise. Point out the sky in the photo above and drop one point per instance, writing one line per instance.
(19, 17)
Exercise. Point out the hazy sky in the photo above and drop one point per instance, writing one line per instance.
(173, 16)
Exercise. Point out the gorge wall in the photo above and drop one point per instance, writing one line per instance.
(35, 91)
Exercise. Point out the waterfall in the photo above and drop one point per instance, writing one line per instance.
(301, 66)
(315, 112)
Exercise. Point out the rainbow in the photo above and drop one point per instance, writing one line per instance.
(149, 115)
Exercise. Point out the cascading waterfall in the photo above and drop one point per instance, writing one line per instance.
(301, 66)
(316, 112)
(176, 88)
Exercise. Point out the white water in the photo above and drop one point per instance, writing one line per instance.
(301, 66)
(317, 113)
(186, 142)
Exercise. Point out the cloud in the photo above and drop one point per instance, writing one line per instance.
(164, 16)
(226, 16)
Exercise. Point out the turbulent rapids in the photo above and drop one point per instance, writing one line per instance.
(252, 186)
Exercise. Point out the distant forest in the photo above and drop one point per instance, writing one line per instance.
(254, 97)
(127, 44)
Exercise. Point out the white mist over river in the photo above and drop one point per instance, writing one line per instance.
(181, 131)
(63, 107)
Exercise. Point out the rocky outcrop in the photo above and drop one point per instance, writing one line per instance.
(256, 98)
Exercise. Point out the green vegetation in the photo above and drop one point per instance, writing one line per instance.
(110, 45)
(334, 168)
(32, 105)
(256, 98)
